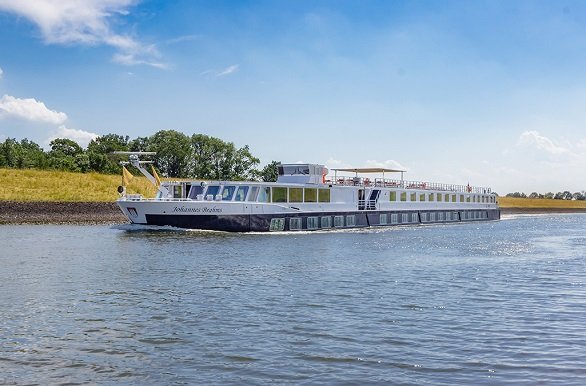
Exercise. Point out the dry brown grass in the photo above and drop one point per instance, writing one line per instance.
(512, 202)
(45, 185)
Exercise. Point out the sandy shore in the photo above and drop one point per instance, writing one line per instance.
(13, 212)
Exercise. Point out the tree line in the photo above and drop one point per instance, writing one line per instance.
(565, 195)
(178, 155)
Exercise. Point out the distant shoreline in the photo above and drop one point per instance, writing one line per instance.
(49, 212)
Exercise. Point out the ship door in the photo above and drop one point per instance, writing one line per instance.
(372, 200)
(361, 200)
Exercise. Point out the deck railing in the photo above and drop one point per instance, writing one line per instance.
(404, 184)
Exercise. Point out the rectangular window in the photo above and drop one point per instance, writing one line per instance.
(440, 216)
(432, 217)
(422, 197)
(195, 191)
(447, 198)
(414, 217)
(403, 196)
(312, 223)
(383, 219)
(324, 195)
(439, 197)
(279, 194)
(404, 218)
(228, 192)
(326, 222)
(394, 218)
(241, 193)
(212, 191)
(424, 217)
(277, 224)
(448, 216)
(264, 195)
(453, 198)
(350, 221)
(295, 223)
(413, 196)
(467, 198)
(295, 194)
(177, 191)
(392, 196)
(431, 198)
(461, 198)
(252, 194)
(338, 221)
(310, 195)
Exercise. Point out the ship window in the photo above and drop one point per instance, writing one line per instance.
(177, 191)
(310, 195)
(453, 198)
(194, 191)
(461, 198)
(392, 196)
(241, 193)
(351, 220)
(295, 194)
(295, 223)
(228, 192)
(277, 224)
(439, 197)
(468, 199)
(279, 194)
(447, 198)
(440, 216)
(338, 221)
(414, 217)
(422, 197)
(394, 218)
(312, 223)
(264, 195)
(404, 218)
(413, 196)
(253, 193)
(383, 219)
(326, 222)
(212, 190)
(432, 217)
(324, 195)
(403, 196)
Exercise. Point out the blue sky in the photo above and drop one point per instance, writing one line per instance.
(491, 93)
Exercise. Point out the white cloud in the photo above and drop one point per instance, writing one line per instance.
(83, 138)
(229, 70)
(29, 109)
(1, 72)
(534, 139)
(84, 22)
(388, 164)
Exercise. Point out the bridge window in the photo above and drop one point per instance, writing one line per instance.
(212, 190)
(228, 192)
(253, 193)
(324, 195)
(241, 193)
(295, 194)
(279, 194)
(310, 195)
(264, 195)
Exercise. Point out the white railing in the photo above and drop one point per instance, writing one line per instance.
(404, 184)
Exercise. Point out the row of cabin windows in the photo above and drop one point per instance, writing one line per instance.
(323, 222)
(259, 193)
(439, 197)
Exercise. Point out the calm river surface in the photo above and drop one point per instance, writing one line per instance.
(484, 303)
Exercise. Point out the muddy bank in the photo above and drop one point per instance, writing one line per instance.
(14, 212)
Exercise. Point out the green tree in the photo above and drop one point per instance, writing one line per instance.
(64, 155)
(173, 152)
(270, 172)
(215, 159)
(99, 152)
(139, 144)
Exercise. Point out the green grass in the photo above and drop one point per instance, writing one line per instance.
(512, 202)
(45, 185)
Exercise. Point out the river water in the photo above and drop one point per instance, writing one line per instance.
(484, 303)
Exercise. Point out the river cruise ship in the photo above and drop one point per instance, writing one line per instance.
(306, 197)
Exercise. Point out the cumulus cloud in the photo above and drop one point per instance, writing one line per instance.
(30, 109)
(83, 138)
(534, 139)
(85, 22)
(229, 70)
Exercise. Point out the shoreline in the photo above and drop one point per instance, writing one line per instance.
(50, 212)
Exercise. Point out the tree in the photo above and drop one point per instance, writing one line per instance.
(215, 159)
(270, 172)
(549, 195)
(99, 152)
(173, 152)
(64, 155)
(139, 144)
(534, 195)
(579, 196)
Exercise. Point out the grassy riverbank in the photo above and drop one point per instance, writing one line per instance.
(537, 203)
(26, 185)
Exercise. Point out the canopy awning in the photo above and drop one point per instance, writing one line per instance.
(369, 170)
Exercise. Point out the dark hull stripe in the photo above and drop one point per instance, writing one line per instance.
(282, 222)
